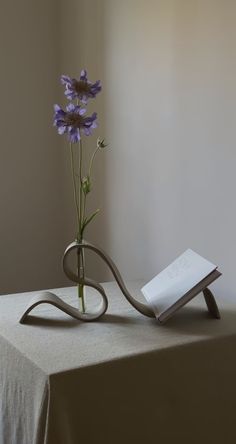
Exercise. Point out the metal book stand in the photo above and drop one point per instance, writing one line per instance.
(46, 297)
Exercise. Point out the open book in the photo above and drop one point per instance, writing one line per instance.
(177, 284)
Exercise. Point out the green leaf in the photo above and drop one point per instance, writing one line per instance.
(87, 220)
(86, 185)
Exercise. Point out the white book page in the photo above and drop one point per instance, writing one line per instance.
(176, 280)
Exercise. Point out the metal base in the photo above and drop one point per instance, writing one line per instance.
(50, 298)
(46, 297)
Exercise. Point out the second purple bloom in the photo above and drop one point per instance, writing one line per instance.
(73, 121)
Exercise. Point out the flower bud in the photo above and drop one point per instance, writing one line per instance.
(86, 185)
(101, 143)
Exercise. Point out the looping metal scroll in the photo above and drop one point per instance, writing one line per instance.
(139, 306)
(50, 298)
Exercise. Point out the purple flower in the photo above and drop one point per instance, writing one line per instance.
(81, 89)
(73, 121)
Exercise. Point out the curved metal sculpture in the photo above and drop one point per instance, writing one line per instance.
(46, 297)
(142, 308)
(50, 298)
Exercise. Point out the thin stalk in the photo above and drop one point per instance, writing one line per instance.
(84, 208)
(80, 187)
(91, 161)
(74, 187)
(89, 176)
(81, 263)
(81, 298)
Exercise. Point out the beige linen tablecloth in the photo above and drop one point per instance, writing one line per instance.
(123, 379)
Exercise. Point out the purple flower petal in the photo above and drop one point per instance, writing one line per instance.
(74, 120)
(70, 95)
(57, 108)
(70, 108)
(59, 122)
(83, 75)
(84, 100)
(74, 135)
(94, 125)
(81, 88)
(61, 130)
(87, 131)
(65, 80)
(82, 111)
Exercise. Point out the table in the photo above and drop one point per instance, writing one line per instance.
(123, 379)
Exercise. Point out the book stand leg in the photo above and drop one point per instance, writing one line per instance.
(211, 303)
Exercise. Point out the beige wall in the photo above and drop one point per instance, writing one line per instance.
(169, 72)
(32, 211)
(168, 110)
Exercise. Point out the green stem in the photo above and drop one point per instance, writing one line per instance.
(81, 252)
(80, 188)
(81, 298)
(84, 209)
(74, 186)
(85, 195)
(91, 161)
